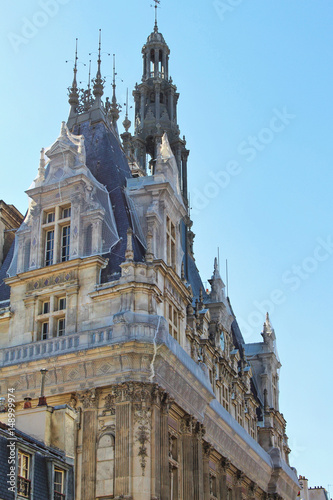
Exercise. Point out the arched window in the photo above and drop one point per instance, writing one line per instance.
(105, 467)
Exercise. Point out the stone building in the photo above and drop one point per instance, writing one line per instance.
(148, 387)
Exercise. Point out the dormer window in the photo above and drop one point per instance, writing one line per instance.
(57, 232)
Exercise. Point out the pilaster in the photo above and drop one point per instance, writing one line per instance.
(198, 478)
(187, 442)
(89, 430)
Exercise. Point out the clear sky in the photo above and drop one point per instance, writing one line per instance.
(255, 80)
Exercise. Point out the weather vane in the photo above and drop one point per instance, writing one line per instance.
(157, 2)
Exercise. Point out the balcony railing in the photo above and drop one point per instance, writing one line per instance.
(59, 496)
(23, 487)
(72, 343)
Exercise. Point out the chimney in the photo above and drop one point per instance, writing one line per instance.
(42, 398)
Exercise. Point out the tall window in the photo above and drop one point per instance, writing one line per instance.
(23, 475)
(225, 396)
(49, 248)
(57, 230)
(59, 484)
(65, 240)
(51, 319)
(173, 321)
(171, 242)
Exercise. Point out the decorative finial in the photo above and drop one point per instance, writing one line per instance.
(126, 122)
(41, 169)
(114, 110)
(183, 272)
(129, 254)
(157, 2)
(99, 82)
(87, 93)
(149, 253)
(73, 90)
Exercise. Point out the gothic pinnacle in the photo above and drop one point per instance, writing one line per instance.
(126, 122)
(99, 82)
(73, 90)
(114, 110)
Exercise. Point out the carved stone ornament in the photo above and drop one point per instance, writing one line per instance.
(207, 449)
(142, 417)
(88, 399)
(109, 405)
(187, 424)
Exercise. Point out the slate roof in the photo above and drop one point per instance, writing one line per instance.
(42, 454)
(5, 289)
(107, 162)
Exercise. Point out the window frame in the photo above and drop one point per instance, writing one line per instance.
(21, 450)
(56, 232)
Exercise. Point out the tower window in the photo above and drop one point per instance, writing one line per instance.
(61, 327)
(57, 235)
(171, 242)
(65, 241)
(66, 212)
(51, 321)
(61, 303)
(49, 248)
(50, 216)
(173, 321)
(46, 307)
(45, 330)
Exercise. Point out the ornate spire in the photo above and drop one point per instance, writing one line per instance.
(87, 99)
(157, 2)
(126, 122)
(73, 90)
(41, 169)
(99, 81)
(114, 109)
(217, 285)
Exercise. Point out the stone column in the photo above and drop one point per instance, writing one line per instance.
(156, 63)
(198, 485)
(206, 481)
(89, 429)
(238, 486)
(222, 483)
(164, 69)
(187, 442)
(164, 448)
(157, 101)
(156, 444)
(122, 394)
(142, 106)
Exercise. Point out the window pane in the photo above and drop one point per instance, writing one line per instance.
(46, 307)
(61, 326)
(50, 217)
(49, 247)
(62, 303)
(45, 330)
(65, 240)
(66, 212)
(58, 481)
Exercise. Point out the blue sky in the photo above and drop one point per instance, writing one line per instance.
(255, 81)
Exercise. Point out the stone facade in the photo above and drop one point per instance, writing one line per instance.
(150, 388)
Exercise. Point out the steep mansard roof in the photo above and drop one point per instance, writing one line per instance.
(107, 162)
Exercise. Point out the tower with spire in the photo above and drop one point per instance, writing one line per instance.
(152, 392)
(156, 99)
